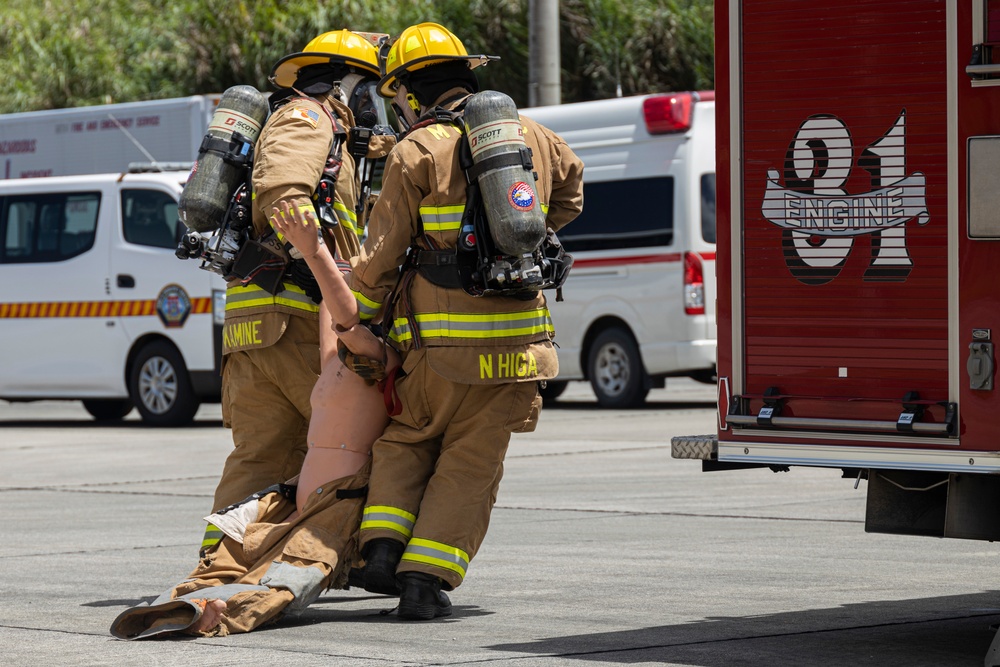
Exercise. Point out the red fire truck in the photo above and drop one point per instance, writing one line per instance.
(858, 232)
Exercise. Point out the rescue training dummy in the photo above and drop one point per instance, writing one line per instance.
(473, 352)
(285, 545)
(271, 343)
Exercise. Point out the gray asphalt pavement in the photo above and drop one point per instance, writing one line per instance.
(603, 550)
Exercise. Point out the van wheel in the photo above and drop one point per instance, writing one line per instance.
(615, 370)
(553, 389)
(160, 386)
(109, 409)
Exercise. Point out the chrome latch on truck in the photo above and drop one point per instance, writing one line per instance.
(772, 407)
(912, 412)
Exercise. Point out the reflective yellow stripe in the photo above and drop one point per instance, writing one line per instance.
(212, 537)
(442, 218)
(435, 553)
(385, 516)
(366, 307)
(348, 218)
(475, 325)
(293, 296)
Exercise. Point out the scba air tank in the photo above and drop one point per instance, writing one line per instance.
(507, 183)
(218, 170)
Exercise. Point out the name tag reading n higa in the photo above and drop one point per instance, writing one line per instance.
(503, 364)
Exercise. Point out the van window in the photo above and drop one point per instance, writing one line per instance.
(149, 218)
(48, 227)
(636, 213)
(708, 207)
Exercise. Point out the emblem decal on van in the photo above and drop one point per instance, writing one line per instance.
(820, 219)
(173, 306)
(521, 196)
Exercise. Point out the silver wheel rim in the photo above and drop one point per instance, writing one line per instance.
(157, 385)
(612, 369)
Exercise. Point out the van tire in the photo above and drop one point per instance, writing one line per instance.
(108, 409)
(552, 390)
(160, 386)
(614, 368)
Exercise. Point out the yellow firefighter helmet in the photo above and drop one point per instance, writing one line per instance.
(337, 46)
(420, 46)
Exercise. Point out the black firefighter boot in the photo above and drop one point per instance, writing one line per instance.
(422, 598)
(379, 573)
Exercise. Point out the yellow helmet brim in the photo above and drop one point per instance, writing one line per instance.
(387, 85)
(286, 70)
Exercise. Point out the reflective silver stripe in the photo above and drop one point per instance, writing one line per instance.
(383, 516)
(347, 218)
(441, 218)
(238, 298)
(435, 553)
(366, 307)
(483, 326)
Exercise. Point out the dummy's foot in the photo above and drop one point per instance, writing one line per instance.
(421, 598)
(211, 615)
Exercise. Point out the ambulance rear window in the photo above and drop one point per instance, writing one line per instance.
(636, 213)
(708, 208)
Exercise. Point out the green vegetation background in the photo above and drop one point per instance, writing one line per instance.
(66, 53)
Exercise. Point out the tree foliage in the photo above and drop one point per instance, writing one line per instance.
(81, 52)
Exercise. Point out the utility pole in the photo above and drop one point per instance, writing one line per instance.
(544, 87)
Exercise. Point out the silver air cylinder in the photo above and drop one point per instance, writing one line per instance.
(213, 181)
(512, 207)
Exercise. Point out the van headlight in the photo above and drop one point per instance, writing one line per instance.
(218, 307)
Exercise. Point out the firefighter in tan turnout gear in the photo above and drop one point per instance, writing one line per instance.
(471, 364)
(271, 342)
(284, 544)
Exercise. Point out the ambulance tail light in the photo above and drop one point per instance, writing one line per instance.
(665, 114)
(694, 284)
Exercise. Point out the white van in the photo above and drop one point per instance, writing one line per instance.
(639, 301)
(94, 304)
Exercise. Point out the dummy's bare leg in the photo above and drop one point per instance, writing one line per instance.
(348, 415)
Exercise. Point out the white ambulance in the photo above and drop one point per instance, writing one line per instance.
(639, 301)
(94, 304)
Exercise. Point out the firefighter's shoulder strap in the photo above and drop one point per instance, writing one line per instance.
(442, 267)
(297, 270)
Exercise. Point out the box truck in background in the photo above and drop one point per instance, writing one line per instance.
(104, 139)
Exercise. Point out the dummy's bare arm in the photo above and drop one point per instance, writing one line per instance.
(302, 230)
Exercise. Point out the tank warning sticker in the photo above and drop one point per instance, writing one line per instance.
(521, 196)
(308, 115)
(173, 306)
(54, 309)
(491, 135)
(820, 220)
